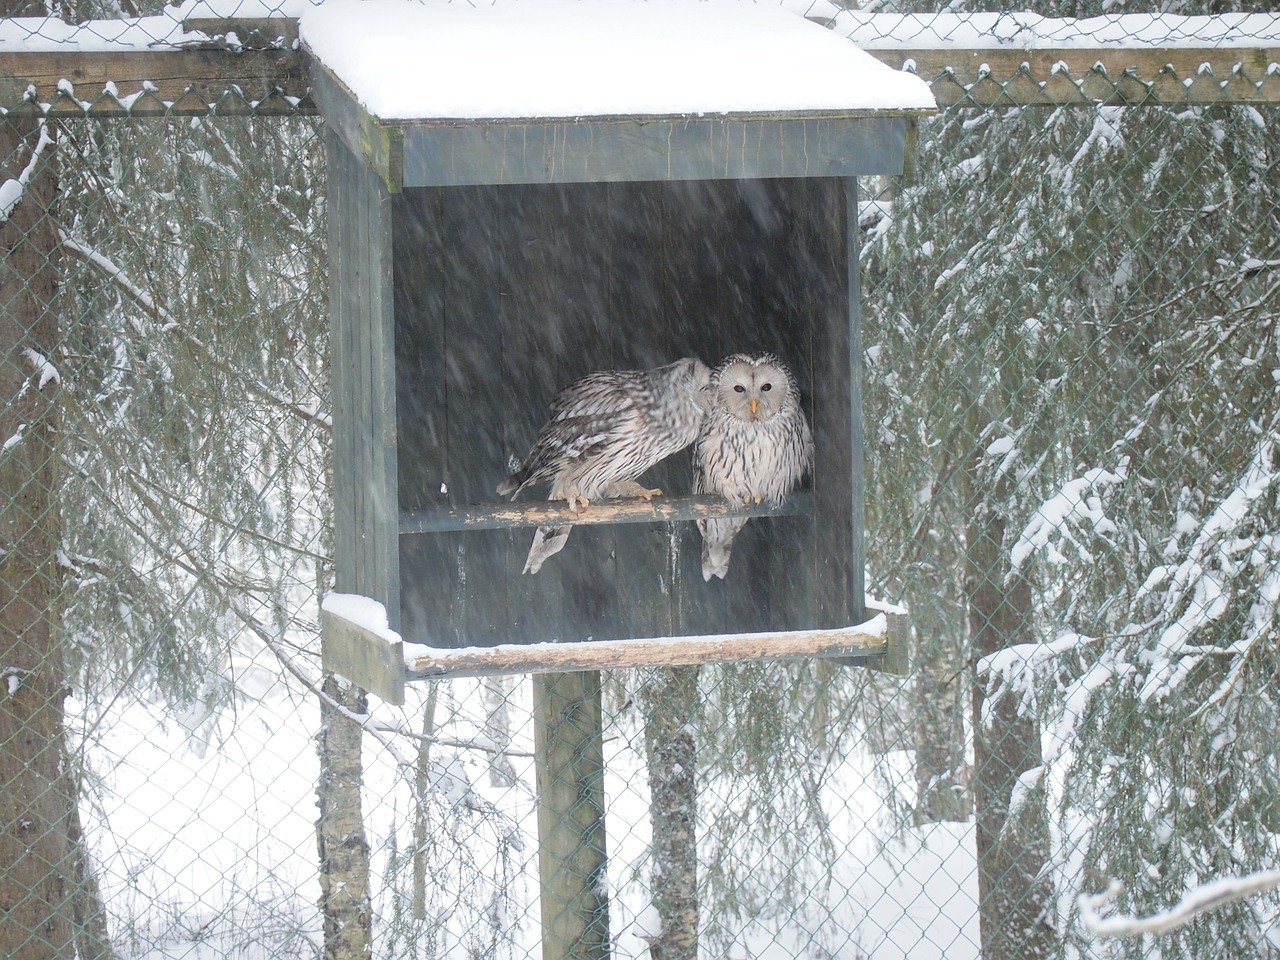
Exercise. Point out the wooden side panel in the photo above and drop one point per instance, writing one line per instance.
(856, 581)
(362, 369)
(378, 144)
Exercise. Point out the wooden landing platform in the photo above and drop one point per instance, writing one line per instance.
(382, 664)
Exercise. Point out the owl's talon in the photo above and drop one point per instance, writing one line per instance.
(629, 488)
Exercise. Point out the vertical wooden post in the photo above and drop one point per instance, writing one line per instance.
(568, 739)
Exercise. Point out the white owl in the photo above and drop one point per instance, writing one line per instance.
(606, 429)
(755, 445)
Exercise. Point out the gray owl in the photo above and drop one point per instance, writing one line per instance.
(754, 445)
(606, 429)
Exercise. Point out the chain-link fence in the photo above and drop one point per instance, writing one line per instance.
(1072, 390)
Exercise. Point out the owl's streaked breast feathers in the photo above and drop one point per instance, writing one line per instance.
(755, 445)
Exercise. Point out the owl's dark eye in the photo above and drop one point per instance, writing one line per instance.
(739, 388)
(766, 387)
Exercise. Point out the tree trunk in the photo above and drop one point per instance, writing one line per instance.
(671, 704)
(422, 785)
(37, 881)
(941, 793)
(343, 847)
(1014, 900)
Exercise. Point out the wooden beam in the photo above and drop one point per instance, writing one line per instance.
(153, 83)
(494, 516)
(366, 658)
(1134, 76)
(866, 639)
(573, 867)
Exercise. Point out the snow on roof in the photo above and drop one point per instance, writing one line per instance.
(563, 58)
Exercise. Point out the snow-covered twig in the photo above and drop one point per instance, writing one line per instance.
(1202, 899)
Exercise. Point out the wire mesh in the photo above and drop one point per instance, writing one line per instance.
(1071, 375)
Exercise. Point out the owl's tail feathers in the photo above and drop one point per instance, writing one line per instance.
(547, 542)
(512, 485)
(717, 545)
(715, 559)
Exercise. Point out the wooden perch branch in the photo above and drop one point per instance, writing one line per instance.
(491, 516)
(379, 661)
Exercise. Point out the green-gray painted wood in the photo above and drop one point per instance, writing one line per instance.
(648, 148)
(366, 519)
(363, 657)
(857, 487)
(434, 152)
(379, 144)
(521, 254)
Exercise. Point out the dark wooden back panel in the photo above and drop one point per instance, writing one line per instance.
(504, 294)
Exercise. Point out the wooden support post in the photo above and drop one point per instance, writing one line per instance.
(568, 739)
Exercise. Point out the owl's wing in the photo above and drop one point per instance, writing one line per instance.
(589, 416)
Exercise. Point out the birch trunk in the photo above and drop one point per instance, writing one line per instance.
(340, 836)
(670, 704)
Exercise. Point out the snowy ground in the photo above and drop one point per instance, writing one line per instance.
(206, 846)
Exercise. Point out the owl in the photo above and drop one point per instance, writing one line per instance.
(606, 429)
(754, 445)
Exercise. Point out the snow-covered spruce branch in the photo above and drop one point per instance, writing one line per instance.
(364, 720)
(1209, 896)
(120, 279)
(1235, 277)
(237, 529)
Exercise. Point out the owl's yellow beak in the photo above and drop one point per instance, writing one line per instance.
(754, 403)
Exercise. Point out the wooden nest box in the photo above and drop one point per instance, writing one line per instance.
(505, 217)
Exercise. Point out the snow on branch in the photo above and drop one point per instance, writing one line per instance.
(1202, 899)
(1200, 587)
(1077, 503)
(11, 191)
